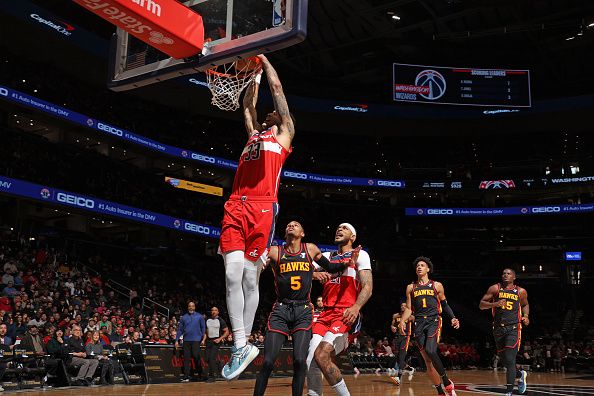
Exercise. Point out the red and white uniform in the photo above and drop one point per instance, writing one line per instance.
(250, 212)
(340, 293)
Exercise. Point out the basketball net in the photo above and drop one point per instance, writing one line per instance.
(226, 82)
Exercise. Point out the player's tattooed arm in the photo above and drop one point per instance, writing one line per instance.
(487, 302)
(287, 128)
(250, 116)
(366, 282)
(525, 306)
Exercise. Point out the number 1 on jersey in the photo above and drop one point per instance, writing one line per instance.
(424, 303)
(296, 282)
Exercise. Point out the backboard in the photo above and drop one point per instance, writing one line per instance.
(233, 29)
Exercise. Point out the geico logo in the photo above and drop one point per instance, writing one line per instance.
(295, 175)
(389, 183)
(110, 129)
(76, 200)
(3, 91)
(546, 209)
(197, 228)
(204, 158)
(440, 211)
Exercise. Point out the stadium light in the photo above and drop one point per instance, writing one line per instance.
(591, 25)
(395, 17)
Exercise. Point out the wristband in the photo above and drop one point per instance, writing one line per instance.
(258, 78)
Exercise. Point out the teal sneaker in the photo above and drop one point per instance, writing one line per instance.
(522, 382)
(240, 359)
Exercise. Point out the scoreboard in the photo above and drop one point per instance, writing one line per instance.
(461, 86)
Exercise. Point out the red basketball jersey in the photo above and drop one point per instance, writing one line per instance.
(260, 166)
(343, 289)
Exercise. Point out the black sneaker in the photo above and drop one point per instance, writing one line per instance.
(210, 380)
(185, 379)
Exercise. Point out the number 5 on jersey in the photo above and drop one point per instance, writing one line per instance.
(296, 282)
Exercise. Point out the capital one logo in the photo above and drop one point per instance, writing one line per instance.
(203, 158)
(547, 209)
(435, 81)
(66, 30)
(75, 200)
(440, 211)
(196, 228)
(295, 175)
(110, 129)
(3, 92)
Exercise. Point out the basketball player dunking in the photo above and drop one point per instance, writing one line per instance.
(250, 213)
(343, 298)
(427, 299)
(509, 304)
(292, 313)
(401, 342)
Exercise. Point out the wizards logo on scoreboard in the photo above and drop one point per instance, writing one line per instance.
(493, 184)
(429, 84)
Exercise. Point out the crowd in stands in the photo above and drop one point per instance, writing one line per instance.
(455, 158)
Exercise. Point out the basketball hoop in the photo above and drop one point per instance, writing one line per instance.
(226, 82)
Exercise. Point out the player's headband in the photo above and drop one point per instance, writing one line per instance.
(350, 227)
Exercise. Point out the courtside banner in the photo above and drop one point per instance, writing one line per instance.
(57, 196)
(193, 186)
(167, 25)
(510, 211)
(100, 206)
(119, 133)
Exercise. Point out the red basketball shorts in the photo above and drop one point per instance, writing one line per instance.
(330, 320)
(248, 225)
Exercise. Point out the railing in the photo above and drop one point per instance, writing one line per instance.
(154, 307)
(119, 288)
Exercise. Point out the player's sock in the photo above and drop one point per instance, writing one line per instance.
(341, 388)
(509, 388)
(235, 299)
(314, 380)
(251, 294)
(439, 389)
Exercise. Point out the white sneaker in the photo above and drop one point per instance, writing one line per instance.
(240, 359)
(411, 372)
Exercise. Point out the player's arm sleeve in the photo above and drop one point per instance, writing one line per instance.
(317, 266)
(446, 309)
(323, 262)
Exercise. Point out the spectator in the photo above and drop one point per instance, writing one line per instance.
(9, 290)
(32, 341)
(55, 346)
(6, 346)
(216, 332)
(191, 328)
(76, 347)
(94, 350)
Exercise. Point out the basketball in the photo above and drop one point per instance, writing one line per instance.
(248, 65)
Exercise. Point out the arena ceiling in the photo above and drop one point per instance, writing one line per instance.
(352, 44)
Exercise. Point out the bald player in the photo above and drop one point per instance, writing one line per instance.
(509, 305)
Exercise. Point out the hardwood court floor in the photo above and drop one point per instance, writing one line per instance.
(467, 382)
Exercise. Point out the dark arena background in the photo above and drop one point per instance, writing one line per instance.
(454, 129)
